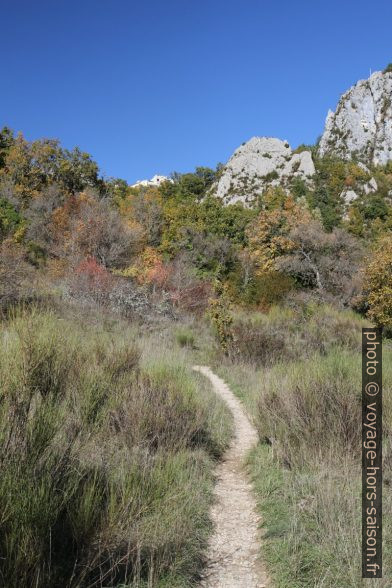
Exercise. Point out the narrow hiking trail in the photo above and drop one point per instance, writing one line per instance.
(233, 550)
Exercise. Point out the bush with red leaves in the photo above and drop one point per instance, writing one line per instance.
(91, 281)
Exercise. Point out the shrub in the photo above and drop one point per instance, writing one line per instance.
(290, 334)
(185, 338)
(273, 175)
(267, 289)
(15, 275)
(255, 343)
(192, 298)
(307, 410)
(378, 283)
(300, 417)
(105, 462)
(10, 219)
(321, 260)
(187, 292)
(221, 317)
(87, 227)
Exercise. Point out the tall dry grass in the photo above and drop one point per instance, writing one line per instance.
(306, 404)
(106, 458)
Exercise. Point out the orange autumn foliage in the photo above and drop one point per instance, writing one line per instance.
(269, 237)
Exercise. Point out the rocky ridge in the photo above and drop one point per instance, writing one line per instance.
(155, 181)
(360, 129)
(259, 163)
(361, 125)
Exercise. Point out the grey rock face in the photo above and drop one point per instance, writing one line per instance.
(259, 163)
(362, 122)
(371, 186)
(155, 181)
(349, 196)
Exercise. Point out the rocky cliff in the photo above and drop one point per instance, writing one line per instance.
(360, 128)
(361, 125)
(259, 163)
(155, 181)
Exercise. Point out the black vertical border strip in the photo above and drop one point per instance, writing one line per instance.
(368, 398)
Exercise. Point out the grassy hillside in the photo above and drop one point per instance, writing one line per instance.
(108, 295)
(305, 400)
(107, 450)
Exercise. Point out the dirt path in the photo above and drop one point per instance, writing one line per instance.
(232, 557)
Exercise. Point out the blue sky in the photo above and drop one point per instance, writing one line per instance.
(160, 86)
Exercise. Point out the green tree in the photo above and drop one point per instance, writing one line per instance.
(333, 176)
(378, 283)
(77, 171)
(6, 141)
(369, 216)
(10, 219)
(228, 222)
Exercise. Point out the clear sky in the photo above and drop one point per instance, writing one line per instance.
(159, 86)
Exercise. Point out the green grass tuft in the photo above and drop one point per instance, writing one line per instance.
(106, 458)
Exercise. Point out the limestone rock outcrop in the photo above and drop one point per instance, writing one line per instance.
(259, 163)
(361, 125)
(155, 181)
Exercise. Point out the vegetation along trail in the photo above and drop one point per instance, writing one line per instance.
(232, 557)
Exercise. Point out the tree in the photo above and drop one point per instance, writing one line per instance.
(86, 227)
(207, 175)
(6, 141)
(15, 274)
(321, 260)
(228, 221)
(144, 207)
(77, 171)
(291, 241)
(33, 166)
(18, 168)
(10, 219)
(91, 282)
(333, 176)
(179, 216)
(209, 253)
(196, 184)
(269, 234)
(378, 282)
(369, 216)
(117, 189)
